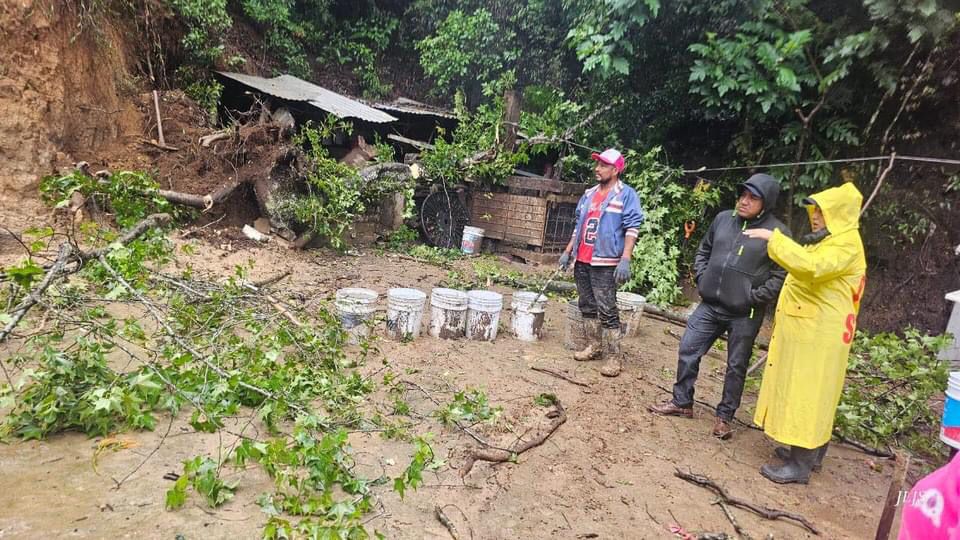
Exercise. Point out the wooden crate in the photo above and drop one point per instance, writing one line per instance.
(511, 218)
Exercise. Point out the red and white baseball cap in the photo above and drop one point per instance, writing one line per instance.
(610, 157)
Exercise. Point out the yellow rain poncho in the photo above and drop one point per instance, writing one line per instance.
(814, 324)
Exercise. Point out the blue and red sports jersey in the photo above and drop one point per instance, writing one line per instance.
(590, 225)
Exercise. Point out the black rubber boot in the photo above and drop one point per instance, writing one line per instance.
(783, 453)
(795, 470)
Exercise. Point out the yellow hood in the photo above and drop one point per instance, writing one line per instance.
(840, 206)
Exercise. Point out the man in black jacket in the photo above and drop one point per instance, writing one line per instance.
(736, 280)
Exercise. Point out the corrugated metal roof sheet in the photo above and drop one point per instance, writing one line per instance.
(294, 89)
(410, 106)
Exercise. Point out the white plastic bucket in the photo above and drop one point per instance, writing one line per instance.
(630, 307)
(483, 314)
(405, 313)
(448, 313)
(574, 334)
(472, 239)
(355, 307)
(950, 424)
(528, 315)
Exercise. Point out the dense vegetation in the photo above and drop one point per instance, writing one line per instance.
(729, 82)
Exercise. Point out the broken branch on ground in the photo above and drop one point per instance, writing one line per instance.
(558, 416)
(762, 511)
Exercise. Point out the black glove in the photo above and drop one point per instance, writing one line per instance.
(622, 273)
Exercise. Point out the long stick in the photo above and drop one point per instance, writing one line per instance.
(156, 109)
(876, 188)
(762, 511)
(893, 495)
(756, 365)
(560, 376)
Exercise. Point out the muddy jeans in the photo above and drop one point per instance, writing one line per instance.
(598, 293)
(704, 327)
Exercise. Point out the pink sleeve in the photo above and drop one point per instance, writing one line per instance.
(931, 508)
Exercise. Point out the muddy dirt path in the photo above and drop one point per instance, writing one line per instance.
(606, 473)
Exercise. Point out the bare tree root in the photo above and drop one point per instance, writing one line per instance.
(558, 417)
(762, 511)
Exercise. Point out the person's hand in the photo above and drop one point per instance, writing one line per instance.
(762, 234)
(565, 261)
(622, 273)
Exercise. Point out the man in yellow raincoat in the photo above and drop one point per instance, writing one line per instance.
(814, 326)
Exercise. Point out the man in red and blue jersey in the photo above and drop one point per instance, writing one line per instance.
(608, 221)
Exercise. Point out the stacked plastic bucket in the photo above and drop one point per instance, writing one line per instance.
(950, 426)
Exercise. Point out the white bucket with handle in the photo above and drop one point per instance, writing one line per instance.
(355, 307)
(528, 315)
(405, 313)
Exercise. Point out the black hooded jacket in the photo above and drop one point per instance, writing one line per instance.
(734, 271)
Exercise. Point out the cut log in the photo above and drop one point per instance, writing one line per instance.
(199, 201)
(207, 140)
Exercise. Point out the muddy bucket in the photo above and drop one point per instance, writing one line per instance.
(355, 308)
(405, 313)
(448, 313)
(472, 240)
(631, 311)
(574, 335)
(950, 425)
(528, 314)
(483, 314)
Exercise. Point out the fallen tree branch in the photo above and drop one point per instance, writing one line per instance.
(736, 526)
(186, 346)
(560, 376)
(568, 134)
(446, 522)
(199, 201)
(147, 223)
(558, 416)
(191, 232)
(669, 316)
(66, 250)
(869, 450)
(711, 407)
(762, 511)
(270, 280)
(65, 253)
(457, 423)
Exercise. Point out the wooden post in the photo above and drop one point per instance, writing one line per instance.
(511, 117)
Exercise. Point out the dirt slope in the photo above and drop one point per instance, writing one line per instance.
(64, 90)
